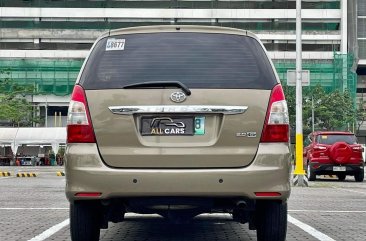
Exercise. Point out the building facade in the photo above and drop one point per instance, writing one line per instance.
(43, 42)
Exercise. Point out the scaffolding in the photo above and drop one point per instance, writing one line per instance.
(335, 74)
(47, 76)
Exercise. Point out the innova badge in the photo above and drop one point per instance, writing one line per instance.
(178, 97)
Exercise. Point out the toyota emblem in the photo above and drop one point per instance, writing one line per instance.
(178, 97)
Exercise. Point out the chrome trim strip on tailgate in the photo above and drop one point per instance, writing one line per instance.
(201, 109)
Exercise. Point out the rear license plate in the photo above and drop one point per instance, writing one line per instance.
(339, 169)
(167, 126)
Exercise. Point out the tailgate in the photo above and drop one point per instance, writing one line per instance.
(156, 138)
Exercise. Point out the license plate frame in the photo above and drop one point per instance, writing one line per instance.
(339, 168)
(167, 126)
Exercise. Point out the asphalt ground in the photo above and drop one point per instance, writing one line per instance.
(35, 208)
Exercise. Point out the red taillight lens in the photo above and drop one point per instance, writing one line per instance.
(358, 148)
(88, 194)
(79, 127)
(268, 194)
(276, 126)
(320, 148)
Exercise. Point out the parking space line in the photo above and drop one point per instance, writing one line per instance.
(6, 177)
(34, 208)
(349, 190)
(51, 231)
(310, 230)
(325, 211)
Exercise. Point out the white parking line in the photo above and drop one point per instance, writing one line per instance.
(51, 231)
(325, 211)
(5, 177)
(349, 190)
(310, 230)
(34, 208)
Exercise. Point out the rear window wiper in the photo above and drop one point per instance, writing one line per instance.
(178, 84)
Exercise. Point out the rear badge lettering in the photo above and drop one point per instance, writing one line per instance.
(250, 134)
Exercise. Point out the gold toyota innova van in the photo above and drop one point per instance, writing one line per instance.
(178, 121)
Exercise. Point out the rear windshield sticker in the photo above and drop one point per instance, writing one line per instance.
(115, 44)
(324, 137)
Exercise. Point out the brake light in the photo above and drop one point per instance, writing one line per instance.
(319, 148)
(276, 125)
(79, 126)
(358, 148)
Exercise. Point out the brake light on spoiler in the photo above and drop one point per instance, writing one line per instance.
(79, 126)
(276, 126)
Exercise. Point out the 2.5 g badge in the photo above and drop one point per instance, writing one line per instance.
(115, 44)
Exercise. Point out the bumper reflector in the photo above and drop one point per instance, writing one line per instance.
(267, 194)
(88, 194)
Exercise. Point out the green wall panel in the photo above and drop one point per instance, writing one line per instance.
(47, 76)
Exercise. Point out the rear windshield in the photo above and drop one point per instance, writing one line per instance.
(198, 60)
(331, 139)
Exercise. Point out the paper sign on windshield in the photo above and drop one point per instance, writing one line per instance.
(115, 44)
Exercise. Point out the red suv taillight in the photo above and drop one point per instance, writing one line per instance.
(276, 125)
(358, 148)
(320, 148)
(79, 126)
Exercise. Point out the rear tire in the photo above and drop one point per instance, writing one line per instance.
(271, 219)
(85, 221)
(310, 173)
(359, 176)
(341, 176)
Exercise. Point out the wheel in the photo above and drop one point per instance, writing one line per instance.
(341, 176)
(271, 219)
(84, 221)
(310, 173)
(359, 176)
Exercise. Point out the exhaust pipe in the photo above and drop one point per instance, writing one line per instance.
(240, 212)
(241, 204)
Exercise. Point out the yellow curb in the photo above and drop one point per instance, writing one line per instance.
(5, 174)
(27, 174)
(59, 174)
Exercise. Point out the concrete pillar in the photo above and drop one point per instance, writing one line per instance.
(344, 21)
(344, 45)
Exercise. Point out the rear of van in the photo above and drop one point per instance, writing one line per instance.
(178, 120)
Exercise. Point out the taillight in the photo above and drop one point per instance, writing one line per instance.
(320, 148)
(358, 148)
(79, 127)
(276, 125)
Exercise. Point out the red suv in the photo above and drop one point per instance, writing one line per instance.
(333, 153)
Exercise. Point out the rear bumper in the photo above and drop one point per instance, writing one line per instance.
(269, 172)
(327, 169)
